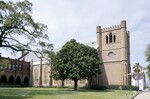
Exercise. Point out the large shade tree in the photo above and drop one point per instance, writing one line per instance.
(18, 30)
(76, 61)
(59, 70)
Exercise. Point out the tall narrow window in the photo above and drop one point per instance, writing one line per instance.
(106, 39)
(110, 37)
(114, 38)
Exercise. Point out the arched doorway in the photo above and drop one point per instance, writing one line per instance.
(3, 79)
(26, 81)
(11, 79)
(18, 80)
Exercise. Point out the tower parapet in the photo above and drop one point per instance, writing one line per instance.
(115, 27)
(98, 35)
(98, 29)
(123, 24)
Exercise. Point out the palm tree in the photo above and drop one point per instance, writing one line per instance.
(137, 67)
(148, 71)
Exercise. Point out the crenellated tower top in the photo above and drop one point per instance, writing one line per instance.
(115, 27)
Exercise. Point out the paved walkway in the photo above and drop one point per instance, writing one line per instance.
(143, 95)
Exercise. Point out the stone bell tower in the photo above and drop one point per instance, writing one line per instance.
(114, 51)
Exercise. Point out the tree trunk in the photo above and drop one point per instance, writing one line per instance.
(89, 82)
(138, 78)
(62, 83)
(75, 84)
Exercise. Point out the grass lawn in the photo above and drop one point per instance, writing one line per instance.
(61, 93)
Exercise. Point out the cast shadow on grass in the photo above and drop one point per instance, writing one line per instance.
(23, 93)
(14, 97)
(15, 93)
(19, 93)
(88, 90)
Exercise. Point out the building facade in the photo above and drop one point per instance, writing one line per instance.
(40, 72)
(17, 73)
(114, 51)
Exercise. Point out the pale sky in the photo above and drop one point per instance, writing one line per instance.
(67, 19)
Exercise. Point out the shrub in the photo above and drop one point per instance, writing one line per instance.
(128, 87)
(123, 87)
(97, 87)
(114, 87)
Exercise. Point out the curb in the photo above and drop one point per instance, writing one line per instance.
(138, 92)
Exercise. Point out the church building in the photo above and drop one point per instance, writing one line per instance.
(113, 46)
(114, 51)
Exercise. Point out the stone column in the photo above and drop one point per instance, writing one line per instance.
(99, 48)
(124, 52)
(41, 80)
(31, 73)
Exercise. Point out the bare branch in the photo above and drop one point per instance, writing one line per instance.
(15, 49)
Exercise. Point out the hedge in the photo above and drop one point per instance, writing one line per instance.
(97, 87)
(123, 87)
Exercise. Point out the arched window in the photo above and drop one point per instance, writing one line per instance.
(26, 81)
(11, 79)
(110, 37)
(18, 80)
(114, 38)
(106, 39)
(111, 54)
(36, 76)
(46, 75)
(3, 79)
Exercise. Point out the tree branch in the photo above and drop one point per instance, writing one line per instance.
(15, 49)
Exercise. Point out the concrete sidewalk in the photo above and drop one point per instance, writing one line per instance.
(143, 95)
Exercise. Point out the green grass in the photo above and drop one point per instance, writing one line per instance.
(61, 93)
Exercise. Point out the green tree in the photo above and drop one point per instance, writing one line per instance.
(137, 67)
(147, 54)
(16, 22)
(18, 30)
(48, 55)
(4, 63)
(59, 70)
(148, 71)
(76, 61)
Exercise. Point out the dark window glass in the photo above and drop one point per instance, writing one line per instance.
(11, 66)
(20, 67)
(106, 39)
(110, 37)
(16, 67)
(114, 38)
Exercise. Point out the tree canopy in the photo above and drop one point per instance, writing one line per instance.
(148, 71)
(137, 67)
(4, 63)
(76, 61)
(18, 30)
(147, 54)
